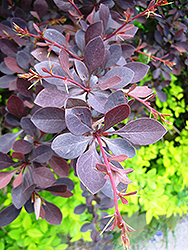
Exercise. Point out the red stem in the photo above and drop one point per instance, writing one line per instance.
(73, 4)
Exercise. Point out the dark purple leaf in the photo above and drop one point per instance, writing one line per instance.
(12, 120)
(80, 39)
(126, 75)
(6, 80)
(81, 69)
(120, 146)
(28, 191)
(64, 61)
(6, 161)
(92, 179)
(28, 127)
(8, 215)
(94, 30)
(127, 50)
(7, 140)
(141, 91)
(116, 115)
(41, 54)
(23, 59)
(110, 83)
(66, 181)
(115, 99)
(85, 227)
(55, 36)
(49, 97)
(22, 87)
(80, 209)
(15, 106)
(97, 100)
(142, 131)
(49, 119)
(57, 189)
(20, 22)
(162, 95)
(125, 4)
(115, 54)
(104, 14)
(59, 165)
(158, 37)
(53, 214)
(8, 47)
(41, 7)
(18, 198)
(78, 120)
(22, 146)
(12, 64)
(139, 69)
(74, 102)
(42, 154)
(19, 156)
(64, 5)
(69, 146)
(43, 177)
(5, 178)
(94, 54)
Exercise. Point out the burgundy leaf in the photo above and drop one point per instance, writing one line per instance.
(120, 146)
(49, 119)
(94, 30)
(127, 50)
(94, 54)
(115, 99)
(7, 140)
(59, 165)
(60, 190)
(141, 91)
(92, 179)
(22, 87)
(18, 180)
(115, 116)
(51, 97)
(43, 177)
(64, 5)
(19, 156)
(42, 154)
(78, 120)
(5, 178)
(41, 7)
(7, 46)
(53, 214)
(139, 69)
(80, 39)
(85, 227)
(15, 106)
(142, 131)
(109, 83)
(8, 215)
(22, 146)
(69, 146)
(12, 64)
(6, 161)
(64, 61)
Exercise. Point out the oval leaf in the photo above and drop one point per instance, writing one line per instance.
(8, 215)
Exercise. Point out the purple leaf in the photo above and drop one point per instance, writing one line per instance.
(41, 54)
(64, 5)
(92, 179)
(49, 119)
(22, 146)
(139, 69)
(104, 14)
(42, 154)
(15, 106)
(29, 128)
(59, 165)
(94, 54)
(125, 74)
(141, 91)
(8, 47)
(43, 177)
(64, 61)
(60, 190)
(17, 195)
(78, 120)
(12, 64)
(110, 83)
(81, 69)
(22, 87)
(66, 181)
(142, 131)
(74, 102)
(41, 7)
(53, 214)
(7, 140)
(120, 146)
(23, 59)
(55, 36)
(115, 116)
(115, 54)
(85, 227)
(8, 215)
(51, 97)
(5, 178)
(6, 80)
(115, 99)
(94, 30)
(69, 146)
(6, 161)
(80, 39)
(97, 100)
(127, 50)
(80, 209)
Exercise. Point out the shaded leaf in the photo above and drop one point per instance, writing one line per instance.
(7, 140)
(74, 102)
(17, 195)
(97, 100)
(59, 165)
(104, 14)
(142, 131)
(92, 179)
(78, 120)
(115, 54)
(23, 59)
(94, 54)
(15, 105)
(127, 50)
(42, 154)
(28, 127)
(5, 178)
(22, 87)
(7, 46)
(66, 181)
(49, 119)
(41, 7)
(115, 99)
(81, 69)
(94, 30)
(139, 69)
(69, 146)
(6, 161)
(22, 146)
(43, 177)
(53, 214)
(41, 54)
(8, 215)
(55, 36)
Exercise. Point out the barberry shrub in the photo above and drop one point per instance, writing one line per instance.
(72, 104)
